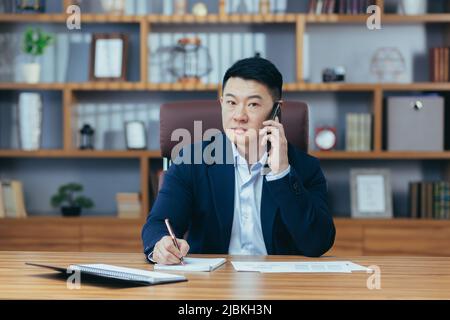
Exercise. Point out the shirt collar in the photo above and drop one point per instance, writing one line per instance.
(240, 160)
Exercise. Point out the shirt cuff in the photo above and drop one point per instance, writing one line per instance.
(150, 257)
(282, 174)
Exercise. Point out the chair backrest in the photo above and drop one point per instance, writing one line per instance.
(182, 114)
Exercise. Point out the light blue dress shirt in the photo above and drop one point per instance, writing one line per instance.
(246, 234)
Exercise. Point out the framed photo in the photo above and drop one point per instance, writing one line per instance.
(31, 6)
(108, 57)
(370, 192)
(135, 135)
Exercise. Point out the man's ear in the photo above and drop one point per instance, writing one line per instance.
(221, 100)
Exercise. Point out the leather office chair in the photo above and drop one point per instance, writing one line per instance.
(182, 114)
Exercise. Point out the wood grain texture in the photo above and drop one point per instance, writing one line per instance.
(401, 278)
(356, 237)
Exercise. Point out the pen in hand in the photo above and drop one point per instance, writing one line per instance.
(174, 239)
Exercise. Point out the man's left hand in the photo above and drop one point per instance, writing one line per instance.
(278, 156)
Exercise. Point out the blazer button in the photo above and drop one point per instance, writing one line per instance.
(295, 187)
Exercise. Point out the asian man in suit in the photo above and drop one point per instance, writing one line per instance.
(233, 206)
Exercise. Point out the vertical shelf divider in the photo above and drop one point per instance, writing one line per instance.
(66, 3)
(378, 120)
(144, 174)
(222, 12)
(380, 3)
(68, 101)
(144, 31)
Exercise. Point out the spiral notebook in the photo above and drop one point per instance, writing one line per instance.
(122, 274)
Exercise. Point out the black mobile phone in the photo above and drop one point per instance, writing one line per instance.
(276, 112)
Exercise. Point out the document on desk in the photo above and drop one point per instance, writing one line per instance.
(298, 267)
(193, 264)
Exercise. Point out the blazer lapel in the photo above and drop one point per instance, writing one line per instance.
(268, 212)
(221, 181)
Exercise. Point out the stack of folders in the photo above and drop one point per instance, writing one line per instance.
(429, 200)
(128, 205)
(12, 203)
(358, 134)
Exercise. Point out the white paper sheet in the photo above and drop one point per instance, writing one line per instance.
(298, 267)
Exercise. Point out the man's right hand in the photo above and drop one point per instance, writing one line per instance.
(165, 251)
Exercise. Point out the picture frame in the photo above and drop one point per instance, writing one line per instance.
(109, 54)
(30, 6)
(370, 193)
(135, 135)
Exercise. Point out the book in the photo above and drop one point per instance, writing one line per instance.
(194, 264)
(439, 64)
(19, 198)
(8, 200)
(367, 118)
(429, 200)
(413, 197)
(319, 6)
(128, 205)
(2, 204)
(348, 132)
(122, 274)
(13, 199)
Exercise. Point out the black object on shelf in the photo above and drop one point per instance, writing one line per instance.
(71, 211)
(86, 137)
(336, 74)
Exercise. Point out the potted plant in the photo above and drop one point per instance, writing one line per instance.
(34, 44)
(73, 204)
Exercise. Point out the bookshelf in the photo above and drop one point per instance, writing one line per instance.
(147, 160)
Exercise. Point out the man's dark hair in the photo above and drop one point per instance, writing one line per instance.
(260, 70)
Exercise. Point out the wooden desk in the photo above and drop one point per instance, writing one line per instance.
(401, 278)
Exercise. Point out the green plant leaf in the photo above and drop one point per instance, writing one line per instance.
(57, 200)
(84, 202)
(36, 41)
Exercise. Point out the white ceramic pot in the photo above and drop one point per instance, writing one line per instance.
(31, 72)
(414, 7)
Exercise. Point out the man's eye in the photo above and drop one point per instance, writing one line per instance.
(253, 105)
(231, 103)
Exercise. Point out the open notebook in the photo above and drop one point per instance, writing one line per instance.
(107, 271)
(193, 264)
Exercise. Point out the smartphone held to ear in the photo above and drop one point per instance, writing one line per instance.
(276, 112)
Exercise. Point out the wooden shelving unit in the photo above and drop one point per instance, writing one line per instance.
(87, 228)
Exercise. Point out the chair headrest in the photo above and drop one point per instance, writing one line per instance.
(183, 114)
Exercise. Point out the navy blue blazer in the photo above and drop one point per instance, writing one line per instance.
(199, 198)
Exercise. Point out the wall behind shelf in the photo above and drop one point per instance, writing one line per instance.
(51, 119)
(227, 44)
(101, 178)
(353, 47)
(68, 59)
(331, 109)
(402, 172)
(107, 112)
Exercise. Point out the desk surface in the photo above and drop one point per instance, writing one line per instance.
(401, 278)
